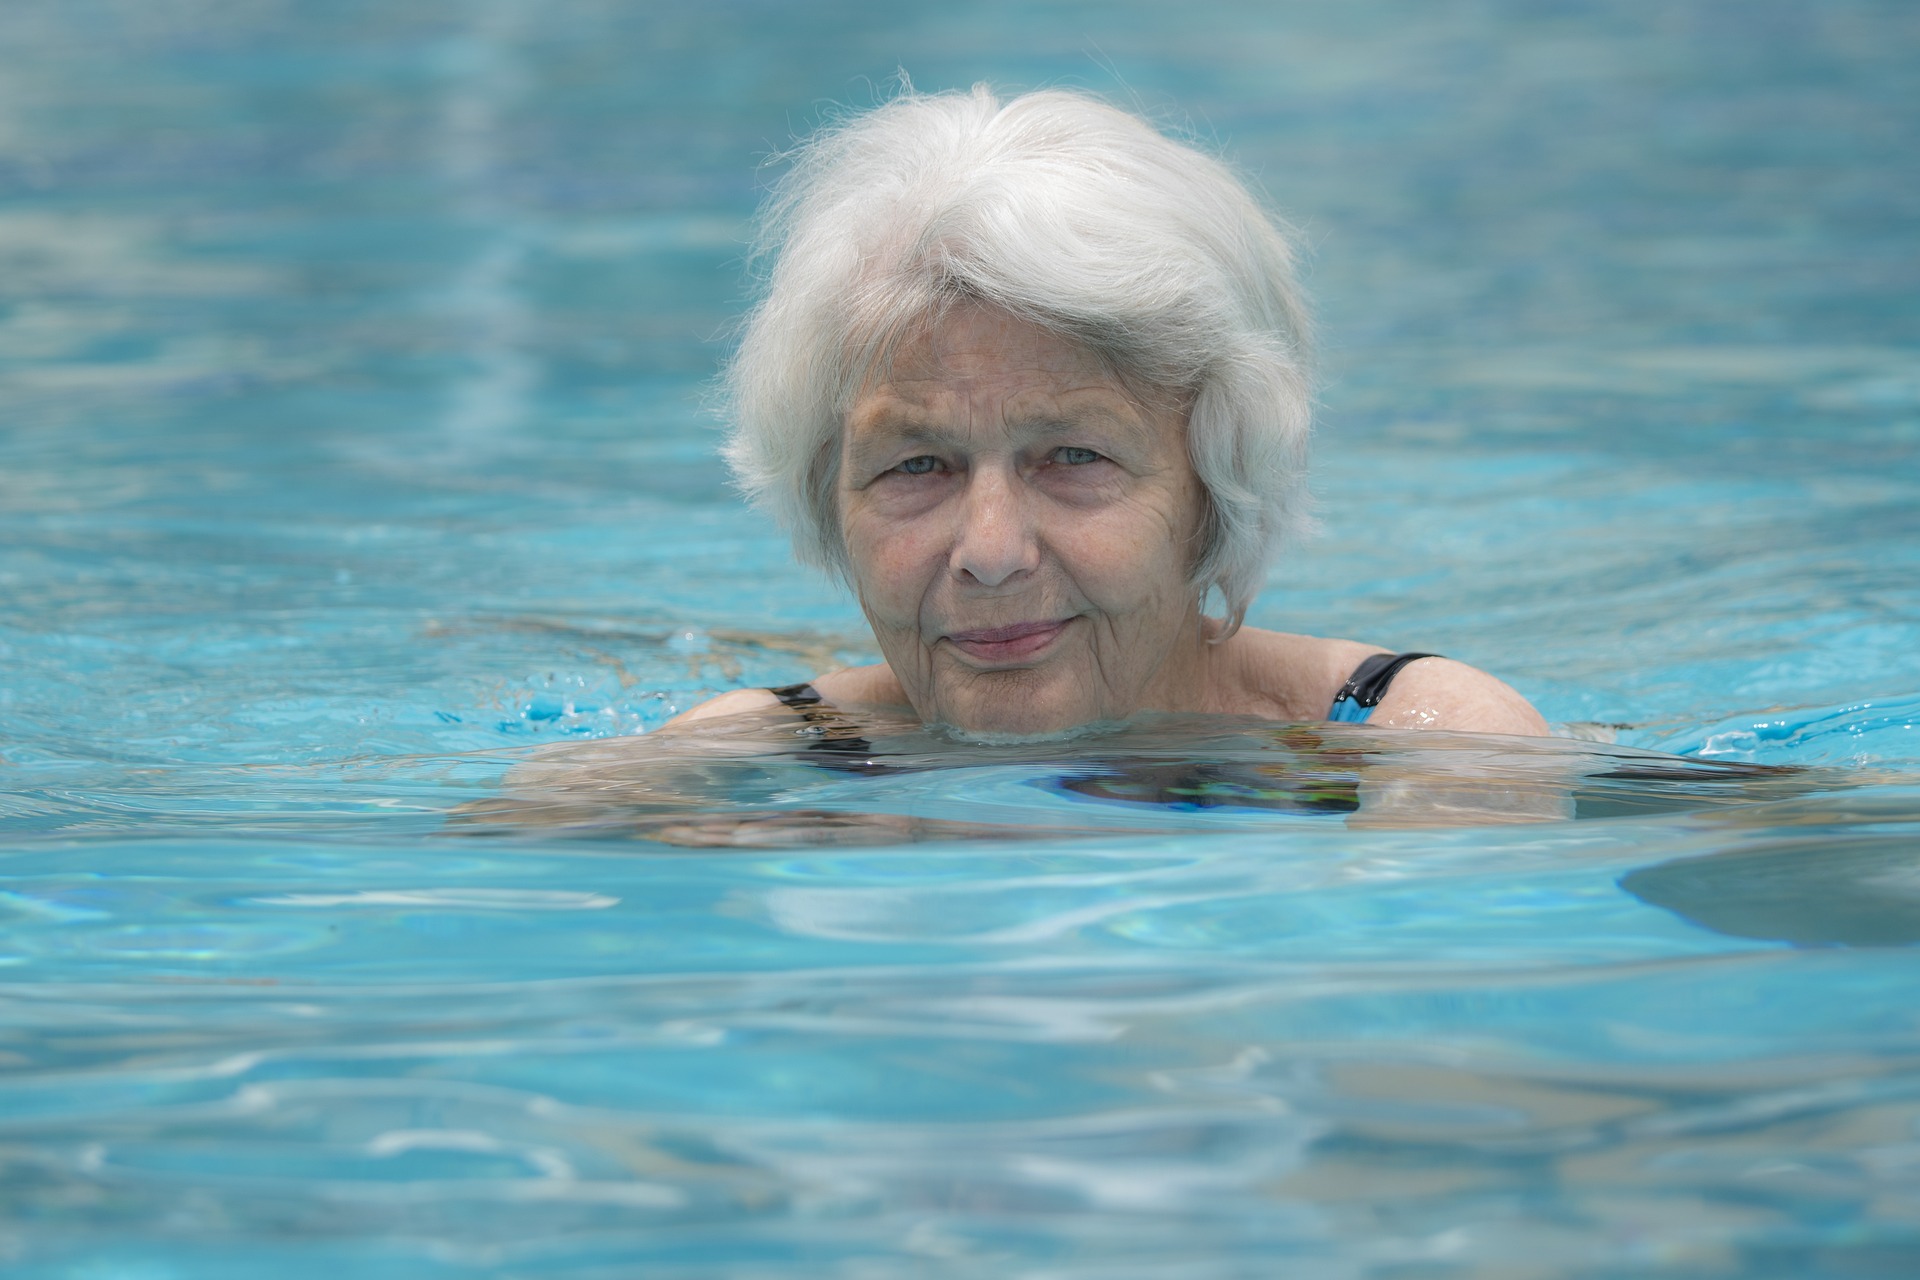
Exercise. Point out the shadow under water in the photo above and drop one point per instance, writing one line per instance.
(1815, 889)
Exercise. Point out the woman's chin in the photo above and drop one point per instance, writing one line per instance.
(1017, 718)
(1022, 737)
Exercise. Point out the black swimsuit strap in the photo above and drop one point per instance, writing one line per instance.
(797, 696)
(1370, 679)
(840, 747)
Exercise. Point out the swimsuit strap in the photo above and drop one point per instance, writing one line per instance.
(1368, 684)
(839, 747)
(797, 696)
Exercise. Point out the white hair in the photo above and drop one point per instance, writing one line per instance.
(1062, 211)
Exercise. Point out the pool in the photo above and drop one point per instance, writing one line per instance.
(351, 361)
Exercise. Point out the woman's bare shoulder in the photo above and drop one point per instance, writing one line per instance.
(731, 703)
(872, 686)
(1439, 693)
(1305, 672)
(1289, 677)
(848, 687)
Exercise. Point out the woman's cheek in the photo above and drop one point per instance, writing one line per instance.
(904, 497)
(888, 565)
(1088, 486)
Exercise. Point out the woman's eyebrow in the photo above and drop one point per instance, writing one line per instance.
(882, 434)
(890, 425)
(1130, 427)
(893, 421)
(884, 408)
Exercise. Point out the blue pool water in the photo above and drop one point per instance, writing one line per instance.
(352, 454)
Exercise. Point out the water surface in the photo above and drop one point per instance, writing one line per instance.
(353, 459)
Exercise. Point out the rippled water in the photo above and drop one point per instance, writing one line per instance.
(358, 513)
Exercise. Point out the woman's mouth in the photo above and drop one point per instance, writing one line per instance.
(1015, 643)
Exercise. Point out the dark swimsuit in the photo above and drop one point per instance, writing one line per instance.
(839, 746)
(1352, 705)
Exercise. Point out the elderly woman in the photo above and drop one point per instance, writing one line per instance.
(1034, 380)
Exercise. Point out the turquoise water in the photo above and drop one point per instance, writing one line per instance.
(352, 452)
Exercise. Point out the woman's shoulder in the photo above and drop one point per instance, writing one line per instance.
(1303, 674)
(872, 686)
(1284, 676)
(1440, 693)
(732, 703)
(1275, 674)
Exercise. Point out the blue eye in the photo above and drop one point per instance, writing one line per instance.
(923, 465)
(1074, 455)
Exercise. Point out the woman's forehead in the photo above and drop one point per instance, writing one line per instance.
(973, 342)
(932, 397)
(929, 408)
(968, 350)
(972, 348)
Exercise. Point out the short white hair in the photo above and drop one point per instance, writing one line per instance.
(1062, 211)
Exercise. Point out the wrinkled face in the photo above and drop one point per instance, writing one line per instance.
(1021, 530)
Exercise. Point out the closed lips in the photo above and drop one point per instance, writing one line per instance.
(999, 635)
(1015, 641)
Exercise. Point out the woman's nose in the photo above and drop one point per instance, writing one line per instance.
(995, 541)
